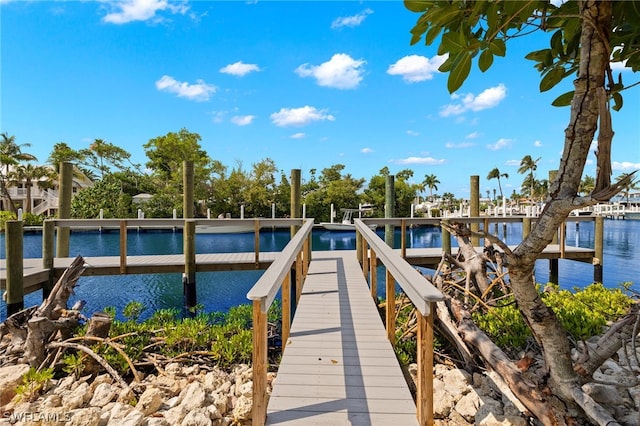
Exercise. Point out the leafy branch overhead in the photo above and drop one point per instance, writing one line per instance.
(482, 28)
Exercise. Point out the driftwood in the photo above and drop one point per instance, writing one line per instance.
(33, 328)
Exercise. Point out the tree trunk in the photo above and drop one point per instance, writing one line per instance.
(545, 326)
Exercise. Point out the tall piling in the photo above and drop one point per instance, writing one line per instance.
(65, 184)
(474, 207)
(189, 240)
(15, 267)
(389, 208)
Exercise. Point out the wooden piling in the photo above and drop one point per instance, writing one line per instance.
(389, 208)
(260, 364)
(65, 183)
(48, 245)
(598, 247)
(15, 267)
(295, 198)
(189, 277)
(390, 311)
(446, 238)
(187, 190)
(474, 207)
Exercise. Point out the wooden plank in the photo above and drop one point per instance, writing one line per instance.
(338, 367)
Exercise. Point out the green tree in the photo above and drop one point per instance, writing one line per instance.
(333, 187)
(104, 195)
(587, 184)
(10, 156)
(430, 182)
(586, 36)
(62, 152)
(528, 166)
(405, 192)
(495, 174)
(102, 155)
(261, 187)
(629, 184)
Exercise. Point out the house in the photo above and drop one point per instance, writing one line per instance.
(43, 193)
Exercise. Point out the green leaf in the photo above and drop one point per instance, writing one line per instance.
(556, 43)
(417, 5)
(553, 77)
(617, 101)
(432, 34)
(485, 61)
(498, 47)
(451, 42)
(459, 71)
(563, 100)
(537, 55)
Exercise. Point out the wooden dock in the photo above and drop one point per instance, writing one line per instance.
(338, 368)
(35, 274)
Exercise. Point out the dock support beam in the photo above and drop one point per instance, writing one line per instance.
(48, 244)
(65, 183)
(15, 267)
(598, 247)
(474, 207)
(389, 208)
(189, 277)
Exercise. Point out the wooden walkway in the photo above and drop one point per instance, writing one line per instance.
(338, 368)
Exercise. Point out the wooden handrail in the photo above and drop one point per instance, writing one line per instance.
(262, 294)
(422, 294)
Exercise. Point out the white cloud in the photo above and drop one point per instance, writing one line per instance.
(413, 133)
(340, 72)
(537, 144)
(242, 120)
(299, 135)
(420, 160)
(124, 11)
(351, 21)
(489, 98)
(500, 144)
(200, 91)
(512, 163)
(415, 68)
(459, 145)
(299, 116)
(625, 165)
(240, 69)
(366, 150)
(473, 135)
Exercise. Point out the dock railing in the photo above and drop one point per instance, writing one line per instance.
(422, 294)
(277, 276)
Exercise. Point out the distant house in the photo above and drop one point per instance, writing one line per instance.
(44, 200)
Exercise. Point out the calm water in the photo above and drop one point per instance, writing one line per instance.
(218, 291)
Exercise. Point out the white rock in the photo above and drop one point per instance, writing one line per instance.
(456, 382)
(134, 418)
(196, 418)
(119, 411)
(103, 394)
(157, 421)
(193, 396)
(242, 408)
(443, 402)
(51, 401)
(221, 402)
(10, 377)
(175, 415)
(246, 389)
(500, 420)
(77, 397)
(150, 401)
(85, 417)
(468, 406)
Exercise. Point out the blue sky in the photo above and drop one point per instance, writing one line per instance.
(307, 84)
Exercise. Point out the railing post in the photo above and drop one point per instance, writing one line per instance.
(15, 266)
(365, 259)
(123, 246)
(189, 276)
(390, 311)
(373, 271)
(259, 372)
(286, 309)
(256, 241)
(48, 244)
(299, 277)
(306, 254)
(424, 397)
(359, 246)
(598, 248)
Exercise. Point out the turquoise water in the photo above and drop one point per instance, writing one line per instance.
(218, 291)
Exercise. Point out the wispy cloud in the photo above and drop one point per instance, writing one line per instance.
(199, 91)
(299, 135)
(351, 21)
(430, 161)
(299, 116)
(500, 144)
(512, 163)
(489, 98)
(413, 133)
(240, 69)
(473, 135)
(537, 144)
(125, 11)
(366, 150)
(625, 165)
(416, 68)
(459, 145)
(340, 72)
(242, 120)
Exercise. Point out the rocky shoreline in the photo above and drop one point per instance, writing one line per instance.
(201, 395)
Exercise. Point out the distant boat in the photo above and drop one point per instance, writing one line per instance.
(225, 229)
(347, 221)
(632, 215)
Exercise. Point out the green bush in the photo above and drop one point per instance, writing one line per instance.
(4, 217)
(30, 219)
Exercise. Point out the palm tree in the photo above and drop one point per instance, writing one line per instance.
(27, 173)
(495, 174)
(10, 155)
(529, 165)
(629, 187)
(431, 182)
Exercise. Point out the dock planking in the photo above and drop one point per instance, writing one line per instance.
(35, 274)
(338, 368)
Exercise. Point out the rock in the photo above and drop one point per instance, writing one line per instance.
(157, 421)
(196, 418)
(77, 397)
(246, 389)
(150, 401)
(491, 419)
(102, 395)
(443, 402)
(468, 406)
(85, 416)
(193, 396)
(607, 395)
(242, 408)
(456, 382)
(134, 418)
(175, 415)
(10, 378)
(51, 401)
